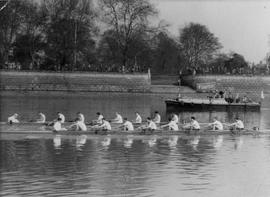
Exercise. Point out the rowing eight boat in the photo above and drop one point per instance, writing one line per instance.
(137, 132)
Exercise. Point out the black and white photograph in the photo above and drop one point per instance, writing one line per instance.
(135, 98)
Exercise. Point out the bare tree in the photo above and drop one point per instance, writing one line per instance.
(198, 44)
(128, 19)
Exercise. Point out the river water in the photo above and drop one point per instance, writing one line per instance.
(55, 165)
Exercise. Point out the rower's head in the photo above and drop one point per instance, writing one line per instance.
(78, 113)
(78, 119)
(193, 118)
(98, 113)
(236, 118)
(15, 115)
(169, 119)
(125, 119)
(137, 113)
(148, 119)
(215, 119)
(156, 112)
(58, 113)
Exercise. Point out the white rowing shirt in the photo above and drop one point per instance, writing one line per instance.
(194, 124)
(106, 125)
(57, 126)
(152, 125)
(157, 118)
(118, 119)
(42, 118)
(99, 119)
(239, 124)
(175, 118)
(173, 126)
(81, 126)
(13, 119)
(138, 119)
(217, 124)
(81, 116)
(62, 117)
(128, 126)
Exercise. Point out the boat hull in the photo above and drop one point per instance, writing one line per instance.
(139, 132)
(174, 105)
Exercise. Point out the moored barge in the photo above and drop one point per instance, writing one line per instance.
(189, 104)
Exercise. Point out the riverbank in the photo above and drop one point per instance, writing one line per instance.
(251, 85)
(89, 82)
(74, 81)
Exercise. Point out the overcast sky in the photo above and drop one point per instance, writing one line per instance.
(243, 26)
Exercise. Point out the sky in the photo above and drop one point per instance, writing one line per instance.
(242, 26)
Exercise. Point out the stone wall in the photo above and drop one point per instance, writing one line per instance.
(75, 81)
(253, 85)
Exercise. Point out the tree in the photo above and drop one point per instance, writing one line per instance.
(128, 20)
(167, 54)
(12, 19)
(236, 64)
(69, 28)
(198, 45)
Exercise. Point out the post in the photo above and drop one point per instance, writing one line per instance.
(149, 75)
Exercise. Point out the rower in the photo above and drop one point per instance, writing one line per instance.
(13, 119)
(138, 119)
(57, 126)
(216, 125)
(151, 125)
(80, 116)
(172, 125)
(238, 124)
(105, 125)
(175, 118)
(128, 126)
(61, 116)
(42, 118)
(79, 125)
(99, 118)
(118, 118)
(157, 118)
(193, 125)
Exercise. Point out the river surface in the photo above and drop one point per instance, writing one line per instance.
(55, 165)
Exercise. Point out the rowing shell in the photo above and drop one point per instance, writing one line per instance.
(138, 132)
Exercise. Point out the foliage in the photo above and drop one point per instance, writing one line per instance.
(128, 20)
(69, 28)
(198, 45)
(167, 54)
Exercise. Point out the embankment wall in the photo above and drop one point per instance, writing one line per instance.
(252, 85)
(74, 81)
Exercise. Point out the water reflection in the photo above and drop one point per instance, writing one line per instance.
(194, 141)
(57, 142)
(106, 142)
(239, 141)
(128, 167)
(217, 141)
(128, 142)
(172, 141)
(80, 141)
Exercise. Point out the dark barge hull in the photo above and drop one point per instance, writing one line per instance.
(174, 105)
